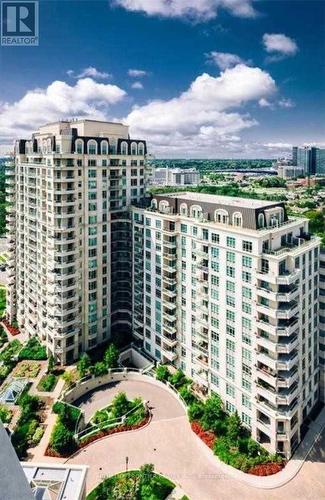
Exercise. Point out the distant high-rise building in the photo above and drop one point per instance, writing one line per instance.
(176, 176)
(310, 158)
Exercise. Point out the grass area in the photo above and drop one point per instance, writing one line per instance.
(2, 301)
(48, 382)
(27, 369)
(141, 484)
(3, 336)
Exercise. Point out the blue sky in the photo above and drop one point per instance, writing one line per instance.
(223, 78)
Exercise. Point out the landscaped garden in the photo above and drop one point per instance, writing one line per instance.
(7, 358)
(26, 369)
(122, 414)
(48, 382)
(3, 337)
(221, 431)
(141, 484)
(28, 431)
(33, 349)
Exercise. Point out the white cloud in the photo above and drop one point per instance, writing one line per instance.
(264, 103)
(278, 145)
(87, 98)
(286, 103)
(202, 119)
(279, 44)
(137, 85)
(224, 59)
(137, 73)
(196, 10)
(90, 72)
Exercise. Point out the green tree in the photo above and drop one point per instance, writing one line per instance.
(50, 364)
(120, 404)
(62, 440)
(83, 365)
(111, 356)
(162, 372)
(99, 369)
(213, 413)
(146, 474)
(233, 427)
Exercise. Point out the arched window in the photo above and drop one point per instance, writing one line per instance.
(221, 216)
(196, 211)
(112, 146)
(79, 146)
(183, 209)
(237, 219)
(164, 206)
(134, 148)
(261, 220)
(124, 148)
(104, 147)
(140, 148)
(92, 147)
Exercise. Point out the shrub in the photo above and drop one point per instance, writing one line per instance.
(37, 436)
(28, 369)
(5, 414)
(10, 351)
(47, 383)
(187, 395)
(62, 440)
(33, 350)
(99, 369)
(68, 415)
(162, 373)
(233, 427)
(120, 405)
(111, 356)
(178, 378)
(213, 414)
(195, 411)
(83, 365)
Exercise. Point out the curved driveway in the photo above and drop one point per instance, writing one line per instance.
(176, 452)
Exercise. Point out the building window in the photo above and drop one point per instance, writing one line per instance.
(79, 147)
(221, 216)
(247, 246)
(134, 148)
(141, 148)
(92, 147)
(231, 242)
(124, 148)
(104, 147)
(237, 219)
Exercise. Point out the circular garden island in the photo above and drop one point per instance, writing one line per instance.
(142, 484)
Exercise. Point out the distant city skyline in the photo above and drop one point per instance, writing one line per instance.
(200, 79)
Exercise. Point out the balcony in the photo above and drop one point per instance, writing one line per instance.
(169, 353)
(287, 397)
(284, 311)
(287, 278)
(169, 340)
(286, 379)
(287, 362)
(287, 346)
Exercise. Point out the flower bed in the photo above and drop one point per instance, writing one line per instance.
(266, 469)
(13, 330)
(26, 369)
(234, 445)
(207, 437)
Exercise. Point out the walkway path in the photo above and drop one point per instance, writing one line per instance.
(177, 453)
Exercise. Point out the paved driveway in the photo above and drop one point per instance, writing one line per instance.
(162, 404)
(176, 452)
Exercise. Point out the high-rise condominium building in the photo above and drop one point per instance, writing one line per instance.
(311, 159)
(69, 233)
(228, 292)
(322, 323)
(175, 176)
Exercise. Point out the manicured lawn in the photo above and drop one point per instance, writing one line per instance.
(133, 484)
(47, 383)
(33, 350)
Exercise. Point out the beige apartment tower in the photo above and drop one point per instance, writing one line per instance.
(230, 295)
(69, 188)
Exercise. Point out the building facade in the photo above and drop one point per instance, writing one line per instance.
(69, 189)
(310, 158)
(175, 176)
(322, 323)
(229, 294)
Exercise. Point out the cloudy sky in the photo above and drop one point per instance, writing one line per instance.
(196, 78)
